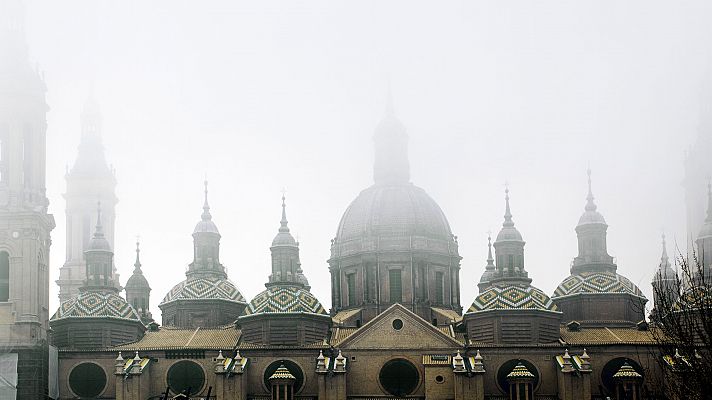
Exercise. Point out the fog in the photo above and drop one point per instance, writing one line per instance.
(261, 96)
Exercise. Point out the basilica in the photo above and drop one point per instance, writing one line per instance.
(395, 326)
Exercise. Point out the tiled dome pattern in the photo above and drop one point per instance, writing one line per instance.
(96, 304)
(512, 297)
(204, 289)
(596, 282)
(285, 299)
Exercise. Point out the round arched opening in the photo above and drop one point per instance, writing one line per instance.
(612, 367)
(87, 380)
(293, 368)
(186, 376)
(508, 366)
(399, 377)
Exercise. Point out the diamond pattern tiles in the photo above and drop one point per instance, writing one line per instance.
(596, 282)
(512, 297)
(96, 304)
(204, 289)
(285, 299)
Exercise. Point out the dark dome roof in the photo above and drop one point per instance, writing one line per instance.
(137, 280)
(393, 210)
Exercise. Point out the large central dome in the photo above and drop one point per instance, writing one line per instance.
(393, 244)
(392, 211)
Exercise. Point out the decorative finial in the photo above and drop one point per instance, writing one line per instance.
(490, 259)
(590, 205)
(507, 213)
(283, 223)
(664, 259)
(137, 264)
(206, 207)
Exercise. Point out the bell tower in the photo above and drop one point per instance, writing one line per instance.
(90, 180)
(25, 225)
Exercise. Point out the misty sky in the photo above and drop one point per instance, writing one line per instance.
(265, 95)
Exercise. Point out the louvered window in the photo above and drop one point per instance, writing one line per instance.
(395, 285)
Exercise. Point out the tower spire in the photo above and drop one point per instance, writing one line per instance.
(283, 223)
(507, 212)
(206, 207)
(391, 164)
(590, 205)
(137, 264)
(490, 259)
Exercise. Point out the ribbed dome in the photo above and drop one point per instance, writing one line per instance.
(204, 289)
(95, 305)
(393, 210)
(206, 226)
(285, 299)
(99, 243)
(509, 234)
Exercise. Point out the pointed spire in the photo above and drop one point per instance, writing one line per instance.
(507, 213)
(283, 223)
(206, 207)
(590, 205)
(490, 259)
(664, 259)
(391, 165)
(137, 264)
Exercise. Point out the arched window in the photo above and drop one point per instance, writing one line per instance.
(395, 285)
(4, 276)
(439, 288)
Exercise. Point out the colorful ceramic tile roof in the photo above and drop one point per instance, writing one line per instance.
(282, 373)
(96, 304)
(520, 371)
(285, 299)
(607, 336)
(171, 339)
(596, 282)
(695, 298)
(506, 297)
(204, 289)
(626, 371)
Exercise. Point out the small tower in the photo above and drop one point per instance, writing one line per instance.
(89, 179)
(506, 293)
(594, 294)
(206, 298)
(138, 290)
(665, 291)
(286, 313)
(489, 268)
(97, 317)
(509, 249)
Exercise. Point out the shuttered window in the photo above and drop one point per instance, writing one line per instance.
(439, 288)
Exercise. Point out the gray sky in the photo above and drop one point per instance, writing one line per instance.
(265, 95)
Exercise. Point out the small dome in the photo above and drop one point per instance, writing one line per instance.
(399, 210)
(285, 299)
(509, 234)
(204, 289)
(96, 305)
(487, 275)
(510, 296)
(284, 239)
(206, 226)
(99, 243)
(137, 280)
(596, 283)
(591, 217)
